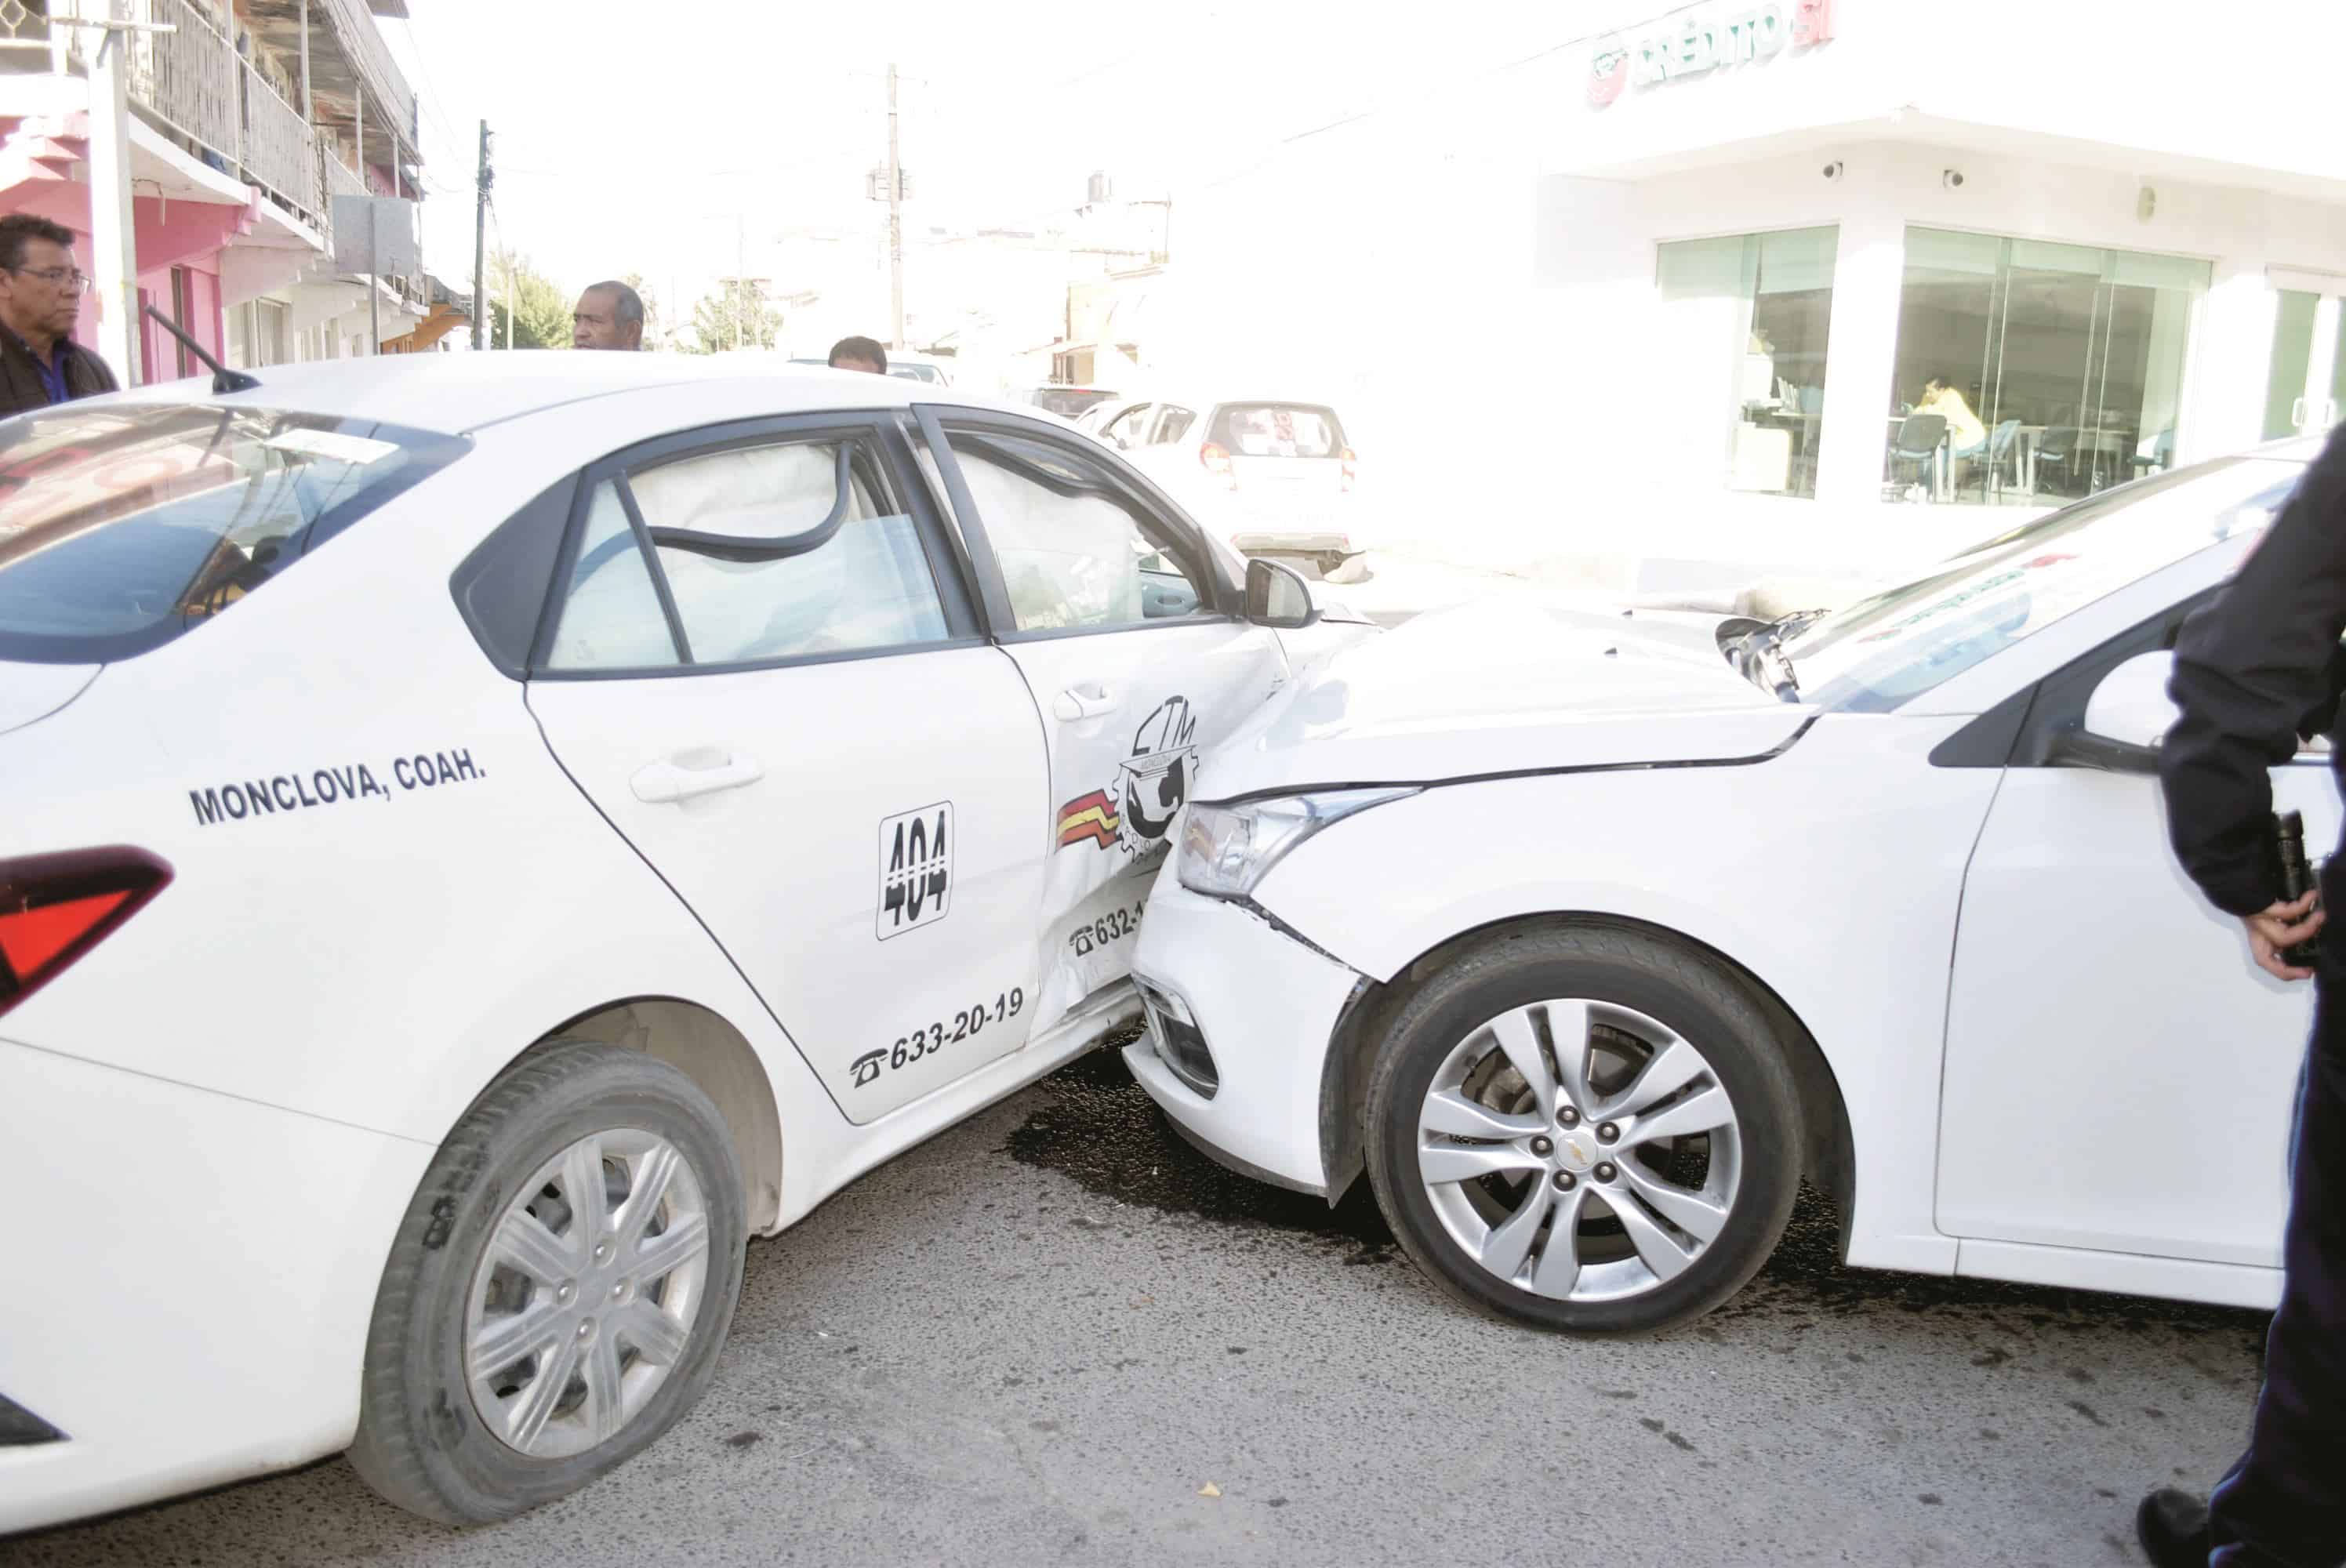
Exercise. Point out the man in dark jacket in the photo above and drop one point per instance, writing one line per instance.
(2253, 673)
(40, 294)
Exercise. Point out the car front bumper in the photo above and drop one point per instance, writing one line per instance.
(194, 1277)
(1263, 1006)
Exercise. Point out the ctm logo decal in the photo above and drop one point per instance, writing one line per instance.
(1137, 807)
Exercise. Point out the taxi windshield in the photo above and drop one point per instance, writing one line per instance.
(125, 525)
(1880, 652)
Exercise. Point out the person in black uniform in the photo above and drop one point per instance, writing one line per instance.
(2254, 672)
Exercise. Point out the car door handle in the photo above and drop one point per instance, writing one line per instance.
(660, 782)
(1075, 704)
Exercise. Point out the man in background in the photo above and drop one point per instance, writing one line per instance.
(609, 315)
(858, 354)
(40, 295)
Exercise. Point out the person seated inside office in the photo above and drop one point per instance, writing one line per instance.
(1966, 436)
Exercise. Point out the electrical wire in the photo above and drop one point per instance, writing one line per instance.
(431, 104)
(1437, 90)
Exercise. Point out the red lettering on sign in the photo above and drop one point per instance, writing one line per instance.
(1812, 23)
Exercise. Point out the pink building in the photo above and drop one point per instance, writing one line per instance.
(232, 182)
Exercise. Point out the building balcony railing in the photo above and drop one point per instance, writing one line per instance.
(193, 83)
(362, 43)
(341, 179)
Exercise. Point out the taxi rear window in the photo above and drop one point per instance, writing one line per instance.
(122, 527)
(1277, 430)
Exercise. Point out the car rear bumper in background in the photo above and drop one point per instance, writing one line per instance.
(1263, 1007)
(196, 1275)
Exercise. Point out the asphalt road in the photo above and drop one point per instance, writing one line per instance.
(1056, 1335)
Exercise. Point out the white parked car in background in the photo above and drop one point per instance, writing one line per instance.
(485, 836)
(1069, 403)
(1588, 942)
(903, 364)
(1273, 476)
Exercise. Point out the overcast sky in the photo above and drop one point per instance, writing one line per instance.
(630, 138)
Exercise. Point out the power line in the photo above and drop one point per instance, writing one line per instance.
(839, 156)
(431, 104)
(1435, 90)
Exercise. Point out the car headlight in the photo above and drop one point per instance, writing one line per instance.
(1226, 850)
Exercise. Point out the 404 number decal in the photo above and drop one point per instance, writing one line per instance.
(915, 868)
(929, 1039)
(1113, 926)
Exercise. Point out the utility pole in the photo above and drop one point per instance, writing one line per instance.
(374, 276)
(110, 227)
(895, 224)
(481, 246)
(510, 270)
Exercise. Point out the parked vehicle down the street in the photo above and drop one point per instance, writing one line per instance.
(1274, 477)
(903, 366)
(1068, 401)
(488, 834)
(1586, 936)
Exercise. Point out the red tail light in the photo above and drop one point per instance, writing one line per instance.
(1218, 463)
(55, 908)
(1350, 463)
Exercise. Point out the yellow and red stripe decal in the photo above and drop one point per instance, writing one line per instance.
(1088, 817)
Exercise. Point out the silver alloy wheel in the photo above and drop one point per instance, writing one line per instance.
(585, 1296)
(1551, 1120)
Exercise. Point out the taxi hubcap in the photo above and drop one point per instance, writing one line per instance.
(583, 1300)
(1579, 1150)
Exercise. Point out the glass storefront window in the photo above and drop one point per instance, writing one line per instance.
(2029, 371)
(1749, 315)
(2305, 394)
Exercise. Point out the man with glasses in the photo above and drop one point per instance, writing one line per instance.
(40, 294)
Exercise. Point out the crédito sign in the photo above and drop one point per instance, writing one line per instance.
(1713, 38)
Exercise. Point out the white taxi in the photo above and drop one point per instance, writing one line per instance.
(485, 836)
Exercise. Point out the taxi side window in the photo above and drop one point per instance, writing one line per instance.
(737, 537)
(611, 617)
(1075, 552)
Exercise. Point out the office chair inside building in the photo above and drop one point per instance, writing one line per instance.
(1915, 445)
(2058, 448)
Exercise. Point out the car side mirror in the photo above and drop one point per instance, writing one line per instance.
(2126, 717)
(1278, 596)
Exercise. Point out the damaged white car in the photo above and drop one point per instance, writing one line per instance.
(1589, 941)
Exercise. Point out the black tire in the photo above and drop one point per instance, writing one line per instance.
(420, 1442)
(1672, 984)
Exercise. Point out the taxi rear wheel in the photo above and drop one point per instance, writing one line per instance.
(558, 1290)
(1591, 1129)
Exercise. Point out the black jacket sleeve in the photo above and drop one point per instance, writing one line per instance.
(88, 375)
(2254, 671)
